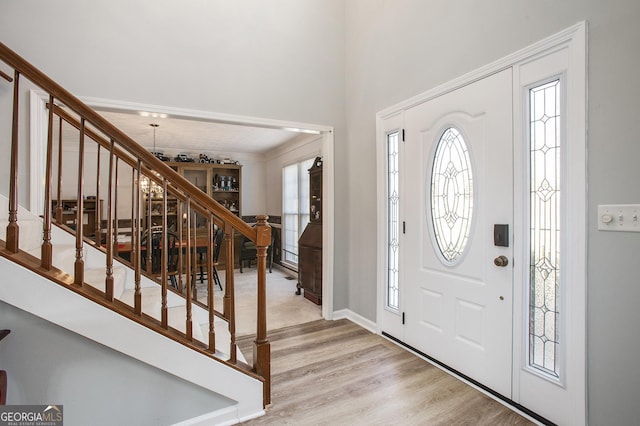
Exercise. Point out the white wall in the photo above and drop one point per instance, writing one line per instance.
(399, 48)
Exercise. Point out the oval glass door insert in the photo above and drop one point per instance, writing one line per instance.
(451, 195)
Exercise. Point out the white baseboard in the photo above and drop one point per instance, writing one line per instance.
(356, 318)
(224, 417)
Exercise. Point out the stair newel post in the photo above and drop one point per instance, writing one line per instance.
(230, 289)
(164, 312)
(262, 347)
(79, 263)
(210, 283)
(47, 253)
(108, 284)
(137, 232)
(59, 193)
(12, 226)
(98, 230)
(189, 278)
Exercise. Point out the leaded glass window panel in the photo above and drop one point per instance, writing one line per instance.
(393, 225)
(451, 195)
(544, 285)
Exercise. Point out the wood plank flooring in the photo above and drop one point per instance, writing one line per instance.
(337, 373)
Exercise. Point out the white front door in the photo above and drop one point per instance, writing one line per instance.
(458, 175)
(503, 145)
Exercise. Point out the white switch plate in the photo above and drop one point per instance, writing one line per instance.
(619, 217)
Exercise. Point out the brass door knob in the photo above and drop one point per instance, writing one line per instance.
(501, 261)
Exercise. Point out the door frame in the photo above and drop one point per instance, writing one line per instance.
(574, 39)
(38, 143)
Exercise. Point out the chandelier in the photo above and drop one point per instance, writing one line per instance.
(149, 186)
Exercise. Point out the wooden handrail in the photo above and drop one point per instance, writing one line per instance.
(73, 103)
(6, 76)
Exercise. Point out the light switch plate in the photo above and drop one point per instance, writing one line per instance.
(619, 217)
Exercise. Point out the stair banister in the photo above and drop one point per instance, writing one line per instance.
(123, 148)
(76, 105)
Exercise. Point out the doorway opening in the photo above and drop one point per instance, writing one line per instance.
(197, 118)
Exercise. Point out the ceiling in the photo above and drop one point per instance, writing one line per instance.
(192, 136)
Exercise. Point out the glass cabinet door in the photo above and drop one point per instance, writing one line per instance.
(198, 177)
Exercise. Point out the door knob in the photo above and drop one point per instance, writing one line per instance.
(501, 261)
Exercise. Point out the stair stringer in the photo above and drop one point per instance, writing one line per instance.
(33, 293)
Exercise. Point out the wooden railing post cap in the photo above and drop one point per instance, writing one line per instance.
(263, 231)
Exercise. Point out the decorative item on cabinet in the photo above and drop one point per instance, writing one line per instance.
(310, 242)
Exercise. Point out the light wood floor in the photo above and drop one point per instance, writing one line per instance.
(337, 373)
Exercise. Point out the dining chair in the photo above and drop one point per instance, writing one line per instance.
(218, 239)
(156, 245)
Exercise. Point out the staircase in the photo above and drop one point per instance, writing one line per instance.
(108, 298)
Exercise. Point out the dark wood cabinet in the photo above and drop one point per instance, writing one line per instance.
(222, 182)
(91, 211)
(310, 242)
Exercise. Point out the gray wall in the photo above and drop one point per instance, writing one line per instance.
(399, 48)
(294, 60)
(47, 364)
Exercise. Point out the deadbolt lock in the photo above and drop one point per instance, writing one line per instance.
(501, 261)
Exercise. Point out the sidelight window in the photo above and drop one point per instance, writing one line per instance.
(393, 217)
(545, 221)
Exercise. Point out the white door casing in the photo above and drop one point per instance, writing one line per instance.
(563, 55)
(562, 399)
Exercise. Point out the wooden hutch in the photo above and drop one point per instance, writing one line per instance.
(310, 242)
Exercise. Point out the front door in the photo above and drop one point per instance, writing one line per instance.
(458, 204)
